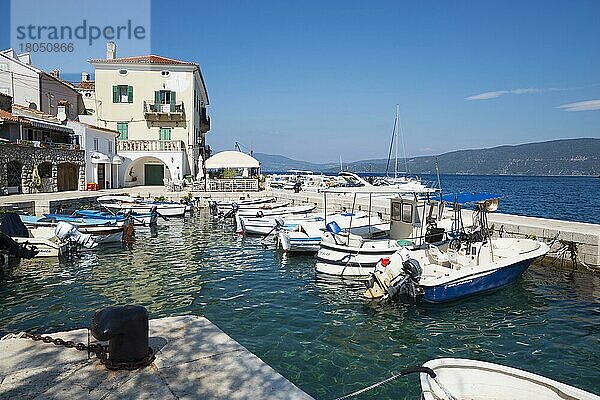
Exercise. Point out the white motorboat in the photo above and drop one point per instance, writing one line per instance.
(471, 263)
(244, 202)
(457, 378)
(274, 212)
(415, 221)
(306, 236)
(52, 247)
(125, 204)
(266, 225)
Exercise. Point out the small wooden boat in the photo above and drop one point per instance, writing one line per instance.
(457, 378)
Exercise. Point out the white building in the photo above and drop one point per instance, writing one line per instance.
(33, 88)
(101, 159)
(158, 106)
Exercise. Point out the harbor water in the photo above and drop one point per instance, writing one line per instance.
(320, 334)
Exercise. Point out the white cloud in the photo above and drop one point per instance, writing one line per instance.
(588, 105)
(498, 93)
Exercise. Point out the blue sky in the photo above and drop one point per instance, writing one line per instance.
(319, 80)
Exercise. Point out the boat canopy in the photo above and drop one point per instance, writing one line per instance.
(469, 197)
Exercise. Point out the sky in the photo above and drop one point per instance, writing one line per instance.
(320, 80)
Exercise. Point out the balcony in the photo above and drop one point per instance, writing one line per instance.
(164, 112)
(150, 145)
(205, 124)
(47, 145)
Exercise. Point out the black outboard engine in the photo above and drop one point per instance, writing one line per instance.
(126, 329)
(10, 247)
(12, 226)
(212, 206)
(406, 284)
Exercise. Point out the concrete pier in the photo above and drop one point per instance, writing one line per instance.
(194, 360)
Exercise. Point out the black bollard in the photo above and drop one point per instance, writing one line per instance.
(126, 329)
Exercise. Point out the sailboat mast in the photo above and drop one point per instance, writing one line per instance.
(396, 141)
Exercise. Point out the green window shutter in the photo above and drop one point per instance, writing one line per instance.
(130, 94)
(165, 134)
(172, 101)
(123, 129)
(115, 94)
(157, 99)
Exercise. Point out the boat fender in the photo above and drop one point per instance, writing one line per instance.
(260, 214)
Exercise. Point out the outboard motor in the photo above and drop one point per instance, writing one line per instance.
(66, 231)
(154, 215)
(212, 206)
(126, 329)
(13, 249)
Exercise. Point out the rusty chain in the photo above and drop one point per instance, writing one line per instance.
(101, 351)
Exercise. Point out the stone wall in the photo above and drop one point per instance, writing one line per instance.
(29, 156)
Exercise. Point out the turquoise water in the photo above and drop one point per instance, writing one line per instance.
(319, 334)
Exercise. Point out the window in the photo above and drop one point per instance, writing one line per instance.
(4, 67)
(122, 94)
(407, 213)
(122, 72)
(396, 211)
(88, 94)
(123, 129)
(164, 100)
(165, 73)
(50, 100)
(109, 145)
(96, 145)
(165, 134)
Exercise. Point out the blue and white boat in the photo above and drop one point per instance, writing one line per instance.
(471, 263)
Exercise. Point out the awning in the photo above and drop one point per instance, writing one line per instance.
(51, 126)
(100, 158)
(231, 159)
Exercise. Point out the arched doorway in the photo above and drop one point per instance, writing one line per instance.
(14, 170)
(67, 177)
(147, 171)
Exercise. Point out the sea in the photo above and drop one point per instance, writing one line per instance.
(321, 334)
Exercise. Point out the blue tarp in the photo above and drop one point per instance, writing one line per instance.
(469, 197)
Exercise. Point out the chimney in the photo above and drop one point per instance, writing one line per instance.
(111, 50)
(56, 73)
(61, 114)
(85, 77)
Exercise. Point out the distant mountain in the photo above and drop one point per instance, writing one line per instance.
(556, 157)
(275, 163)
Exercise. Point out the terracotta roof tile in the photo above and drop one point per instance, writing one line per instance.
(86, 85)
(34, 113)
(149, 59)
(6, 116)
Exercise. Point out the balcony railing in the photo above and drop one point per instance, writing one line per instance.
(47, 145)
(150, 145)
(153, 110)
